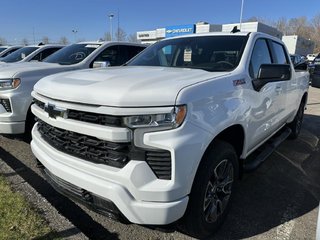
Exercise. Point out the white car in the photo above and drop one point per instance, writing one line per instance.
(6, 50)
(311, 57)
(17, 79)
(31, 53)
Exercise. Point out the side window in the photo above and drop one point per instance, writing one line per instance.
(133, 51)
(45, 53)
(260, 55)
(109, 54)
(280, 54)
(7, 53)
(48, 52)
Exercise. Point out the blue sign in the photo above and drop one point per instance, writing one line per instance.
(173, 31)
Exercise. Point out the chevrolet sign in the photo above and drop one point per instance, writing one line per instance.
(179, 30)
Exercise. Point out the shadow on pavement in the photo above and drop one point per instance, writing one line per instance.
(284, 188)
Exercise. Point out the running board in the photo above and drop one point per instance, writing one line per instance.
(251, 163)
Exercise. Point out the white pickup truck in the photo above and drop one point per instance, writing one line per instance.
(164, 138)
(17, 79)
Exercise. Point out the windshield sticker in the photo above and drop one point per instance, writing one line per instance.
(187, 55)
(92, 46)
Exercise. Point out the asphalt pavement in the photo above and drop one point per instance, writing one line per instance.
(279, 200)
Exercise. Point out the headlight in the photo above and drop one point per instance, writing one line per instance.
(172, 119)
(9, 83)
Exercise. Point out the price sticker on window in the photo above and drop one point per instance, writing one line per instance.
(187, 55)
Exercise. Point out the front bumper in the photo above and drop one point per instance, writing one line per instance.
(13, 121)
(116, 190)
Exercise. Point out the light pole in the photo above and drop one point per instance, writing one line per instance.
(241, 11)
(111, 15)
(75, 32)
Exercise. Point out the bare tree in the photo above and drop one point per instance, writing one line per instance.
(315, 21)
(24, 42)
(3, 41)
(45, 40)
(132, 38)
(300, 26)
(120, 35)
(64, 40)
(282, 25)
(107, 36)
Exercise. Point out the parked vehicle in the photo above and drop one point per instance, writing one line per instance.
(32, 53)
(311, 57)
(17, 80)
(165, 138)
(6, 50)
(296, 59)
(315, 74)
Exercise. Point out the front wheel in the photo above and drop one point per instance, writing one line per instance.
(212, 191)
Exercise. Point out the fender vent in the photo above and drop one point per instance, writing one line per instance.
(6, 104)
(160, 163)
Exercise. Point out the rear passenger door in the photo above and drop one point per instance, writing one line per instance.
(268, 103)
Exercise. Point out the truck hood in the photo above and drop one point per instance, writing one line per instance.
(132, 86)
(9, 70)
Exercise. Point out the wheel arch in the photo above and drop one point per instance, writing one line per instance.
(234, 135)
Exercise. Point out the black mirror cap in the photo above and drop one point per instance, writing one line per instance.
(301, 66)
(275, 72)
(271, 73)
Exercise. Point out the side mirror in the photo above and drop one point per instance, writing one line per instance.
(301, 66)
(271, 73)
(98, 64)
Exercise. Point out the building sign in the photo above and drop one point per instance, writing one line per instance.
(179, 30)
(146, 35)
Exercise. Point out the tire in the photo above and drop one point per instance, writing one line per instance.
(30, 121)
(296, 124)
(212, 191)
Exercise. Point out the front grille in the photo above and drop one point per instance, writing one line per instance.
(100, 119)
(39, 103)
(95, 118)
(85, 147)
(100, 151)
(160, 163)
(6, 104)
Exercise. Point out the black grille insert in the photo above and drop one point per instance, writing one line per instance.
(96, 118)
(160, 163)
(6, 104)
(85, 147)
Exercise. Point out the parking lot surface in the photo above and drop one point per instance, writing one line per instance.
(280, 200)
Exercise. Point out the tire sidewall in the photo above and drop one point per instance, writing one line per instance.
(218, 152)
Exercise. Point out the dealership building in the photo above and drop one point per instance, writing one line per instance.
(150, 37)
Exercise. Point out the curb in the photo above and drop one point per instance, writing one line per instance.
(62, 226)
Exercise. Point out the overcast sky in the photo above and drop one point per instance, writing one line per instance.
(34, 19)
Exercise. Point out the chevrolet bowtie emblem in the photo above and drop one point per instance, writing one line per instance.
(53, 111)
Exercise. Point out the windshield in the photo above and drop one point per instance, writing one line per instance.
(210, 53)
(19, 54)
(2, 49)
(72, 54)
